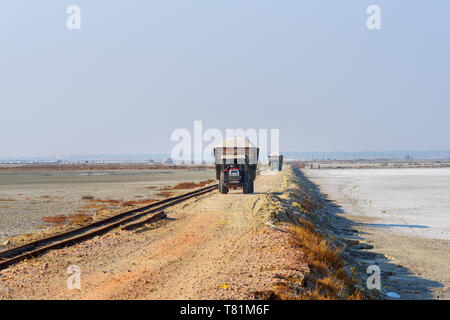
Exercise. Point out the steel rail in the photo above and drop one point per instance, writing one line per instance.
(38, 247)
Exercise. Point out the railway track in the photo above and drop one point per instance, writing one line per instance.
(127, 220)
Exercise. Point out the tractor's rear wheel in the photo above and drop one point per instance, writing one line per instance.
(246, 187)
(251, 186)
(222, 188)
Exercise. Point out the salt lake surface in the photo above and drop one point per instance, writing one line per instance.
(27, 197)
(407, 201)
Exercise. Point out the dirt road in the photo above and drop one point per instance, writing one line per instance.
(212, 247)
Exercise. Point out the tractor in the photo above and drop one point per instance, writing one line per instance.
(236, 160)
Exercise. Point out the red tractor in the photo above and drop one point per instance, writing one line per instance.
(236, 160)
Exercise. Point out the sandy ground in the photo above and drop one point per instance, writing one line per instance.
(211, 247)
(405, 215)
(26, 197)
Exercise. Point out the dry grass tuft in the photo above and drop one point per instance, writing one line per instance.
(327, 279)
(62, 219)
(129, 203)
(100, 203)
(101, 212)
(56, 219)
(93, 206)
(331, 286)
(165, 194)
(146, 201)
(87, 197)
(307, 201)
(136, 203)
(109, 201)
(3, 199)
(316, 247)
(309, 205)
(265, 295)
(191, 185)
(46, 197)
(80, 218)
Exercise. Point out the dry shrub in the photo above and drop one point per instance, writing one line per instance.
(46, 197)
(265, 295)
(101, 212)
(316, 249)
(61, 219)
(87, 197)
(165, 194)
(3, 199)
(327, 279)
(307, 200)
(316, 294)
(356, 295)
(135, 203)
(191, 185)
(309, 205)
(93, 206)
(331, 286)
(99, 203)
(80, 218)
(110, 201)
(186, 185)
(145, 202)
(129, 203)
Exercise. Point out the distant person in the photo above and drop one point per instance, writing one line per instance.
(318, 167)
(312, 166)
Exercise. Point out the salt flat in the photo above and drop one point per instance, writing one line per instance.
(407, 201)
(405, 215)
(27, 197)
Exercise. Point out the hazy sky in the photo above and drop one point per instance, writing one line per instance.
(137, 70)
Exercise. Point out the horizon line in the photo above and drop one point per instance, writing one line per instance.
(103, 156)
